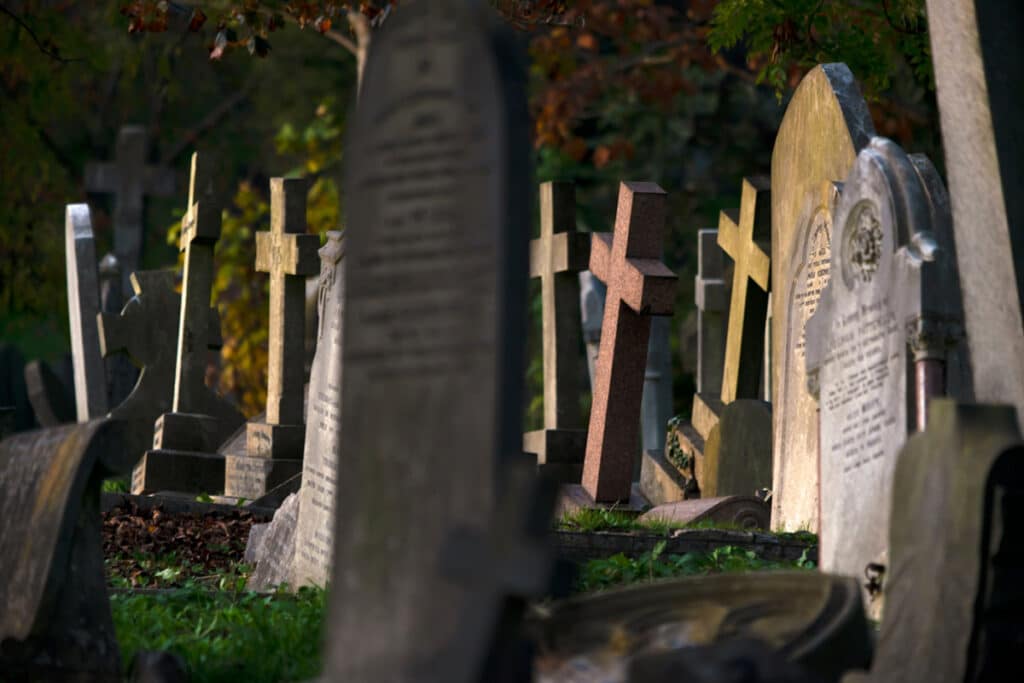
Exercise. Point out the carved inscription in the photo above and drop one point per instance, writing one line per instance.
(812, 279)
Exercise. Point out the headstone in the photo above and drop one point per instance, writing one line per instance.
(813, 620)
(978, 61)
(556, 257)
(592, 294)
(639, 286)
(892, 300)
(737, 458)
(145, 332)
(129, 179)
(13, 392)
(121, 374)
(274, 444)
(271, 547)
(744, 512)
(826, 123)
(185, 440)
(56, 622)
(953, 611)
(431, 403)
(83, 307)
(656, 399)
(314, 542)
(50, 399)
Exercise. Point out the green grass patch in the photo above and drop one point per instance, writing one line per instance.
(115, 486)
(620, 570)
(610, 519)
(226, 637)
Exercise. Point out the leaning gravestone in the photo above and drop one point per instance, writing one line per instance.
(953, 611)
(50, 399)
(825, 125)
(83, 307)
(431, 400)
(979, 62)
(56, 623)
(892, 300)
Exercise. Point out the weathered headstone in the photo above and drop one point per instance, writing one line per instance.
(979, 61)
(745, 512)
(121, 374)
(639, 286)
(271, 547)
(556, 257)
(656, 399)
(56, 622)
(892, 301)
(953, 605)
(737, 457)
(431, 403)
(592, 294)
(826, 123)
(83, 307)
(129, 179)
(274, 444)
(185, 440)
(51, 401)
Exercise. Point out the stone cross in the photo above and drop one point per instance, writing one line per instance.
(556, 257)
(83, 305)
(129, 179)
(745, 236)
(639, 286)
(200, 230)
(712, 298)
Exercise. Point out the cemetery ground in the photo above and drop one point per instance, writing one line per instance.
(178, 583)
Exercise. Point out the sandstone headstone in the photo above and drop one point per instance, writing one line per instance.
(978, 60)
(50, 399)
(121, 374)
(129, 179)
(953, 611)
(639, 286)
(83, 307)
(556, 257)
(274, 444)
(737, 458)
(56, 622)
(892, 300)
(431, 403)
(826, 123)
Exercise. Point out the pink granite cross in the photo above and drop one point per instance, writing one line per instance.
(639, 286)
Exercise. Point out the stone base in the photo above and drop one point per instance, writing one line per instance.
(184, 471)
(561, 473)
(251, 478)
(745, 512)
(737, 459)
(705, 413)
(264, 440)
(572, 498)
(187, 432)
(661, 482)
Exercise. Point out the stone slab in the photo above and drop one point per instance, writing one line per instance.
(737, 457)
(271, 547)
(252, 478)
(187, 432)
(565, 446)
(184, 471)
(704, 413)
(285, 441)
(573, 498)
(746, 512)
(661, 481)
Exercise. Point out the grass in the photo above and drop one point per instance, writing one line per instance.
(226, 637)
(610, 519)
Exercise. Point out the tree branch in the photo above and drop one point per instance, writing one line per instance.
(46, 47)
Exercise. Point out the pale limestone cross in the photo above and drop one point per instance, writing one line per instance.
(289, 255)
(129, 178)
(639, 286)
(745, 236)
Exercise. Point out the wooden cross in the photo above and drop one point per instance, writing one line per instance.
(200, 230)
(129, 179)
(289, 255)
(639, 285)
(745, 236)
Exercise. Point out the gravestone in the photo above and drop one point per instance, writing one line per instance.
(274, 444)
(121, 374)
(50, 399)
(56, 622)
(639, 286)
(737, 458)
(144, 331)
(129, 179)
(891, 303)
(744, 512)
(656, 399)
(13, 392)
(978, 63)
(185, 440)
(953, 611)
(431, 403)
(83, 307)
(826, 123)
(556, 257)
(592, 294)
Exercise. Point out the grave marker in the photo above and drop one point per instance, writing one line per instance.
(274, 444)
(121, 374)
(656, 399)
(712, 294)
(826, 123)
(129, 179)
(592, 294)
(639, 286)
(83, 306)
(556, 257)
(50, 399)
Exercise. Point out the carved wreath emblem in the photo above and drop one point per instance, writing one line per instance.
(863, 243)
